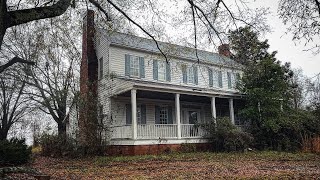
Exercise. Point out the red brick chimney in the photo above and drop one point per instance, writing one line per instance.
(224, 50)
(88, 83)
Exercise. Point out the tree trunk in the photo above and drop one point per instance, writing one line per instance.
(62, 129)
(3, 134)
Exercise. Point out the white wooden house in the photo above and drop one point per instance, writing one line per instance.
(146, 100)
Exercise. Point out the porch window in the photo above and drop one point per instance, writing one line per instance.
(134, 66)
(163, 115)
(141, 114)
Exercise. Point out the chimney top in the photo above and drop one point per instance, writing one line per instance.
(224, 50)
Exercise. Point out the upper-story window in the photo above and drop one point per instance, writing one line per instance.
(220, 79)
(134, 66)
(190, 74)
(229, 76)
(161, 70)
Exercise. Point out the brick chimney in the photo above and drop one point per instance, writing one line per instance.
(224, 50)
(88, 83)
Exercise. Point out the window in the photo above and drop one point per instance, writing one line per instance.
(220, 79)
(190, 74)
(134, 66)
(229, 80)
(139, 114)
(101, 68)
(163, 115)
(162, 70)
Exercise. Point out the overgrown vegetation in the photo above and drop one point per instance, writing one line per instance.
(275, 121)
(227, 137)
(14, 152)
(62, 146)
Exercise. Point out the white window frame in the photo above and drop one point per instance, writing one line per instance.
(162, 71)
(134, 66)
(164, 115)
(190, 75)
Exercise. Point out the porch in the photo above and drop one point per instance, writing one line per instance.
(148, 115)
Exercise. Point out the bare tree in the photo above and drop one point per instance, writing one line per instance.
(13, 102)
(303, 19)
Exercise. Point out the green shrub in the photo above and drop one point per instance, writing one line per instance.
(227, 137)
(14, 152)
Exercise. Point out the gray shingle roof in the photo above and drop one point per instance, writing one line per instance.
(149, 45)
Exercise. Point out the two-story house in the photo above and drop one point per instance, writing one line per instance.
(147, 102)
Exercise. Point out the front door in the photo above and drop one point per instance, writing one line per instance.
(191, 116)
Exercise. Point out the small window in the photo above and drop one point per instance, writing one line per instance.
(229, 80)
(134, 66)
(162, 70)
(139, 114)
(220, 79)
(190, 75)
(101, 68)
(164, 115)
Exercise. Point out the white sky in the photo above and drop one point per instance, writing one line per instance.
(282, 42)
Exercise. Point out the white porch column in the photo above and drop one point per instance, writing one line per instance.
(231, 109)
(177, 100)
(213, 109)
(134, 113)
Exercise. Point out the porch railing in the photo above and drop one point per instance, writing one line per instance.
(191, 130)
(156, 131)
(121, 132)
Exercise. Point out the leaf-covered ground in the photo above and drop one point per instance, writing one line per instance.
(270, 165)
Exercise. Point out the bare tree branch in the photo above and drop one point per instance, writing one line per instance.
(13, 61)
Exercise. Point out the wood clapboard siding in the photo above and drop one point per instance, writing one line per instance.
(117, 66)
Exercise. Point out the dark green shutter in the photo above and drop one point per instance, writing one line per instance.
(168, 71)
(127, 65)
(210, 74)
(128, 114)
(170, 119)
(141, 63)
(195, 73)
(220, 79)
(155, 69)
(157, 114)
(229, 80)
(184, 73)
(143, 114)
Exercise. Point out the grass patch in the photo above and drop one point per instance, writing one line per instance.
(248, 156)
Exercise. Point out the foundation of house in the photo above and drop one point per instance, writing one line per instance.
(130, 150)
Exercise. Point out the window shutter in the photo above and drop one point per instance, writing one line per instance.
(229, 80)
(168, 71)
(143, 114)
(155, 69)
(127, 65)
(184, 73)
(170, 119)
(142, 71)
(128, 114)
(220, 79)
(157, 114)
(210, 77)
(195, 73)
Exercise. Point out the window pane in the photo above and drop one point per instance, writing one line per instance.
(162, 70)
(134, 66)
(139, 114)
(190, 75)
(164, 115)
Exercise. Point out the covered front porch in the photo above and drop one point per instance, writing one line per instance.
(152, 115)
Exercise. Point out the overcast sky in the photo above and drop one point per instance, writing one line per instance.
(282, 42)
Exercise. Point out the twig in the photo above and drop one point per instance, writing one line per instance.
(13, 61)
